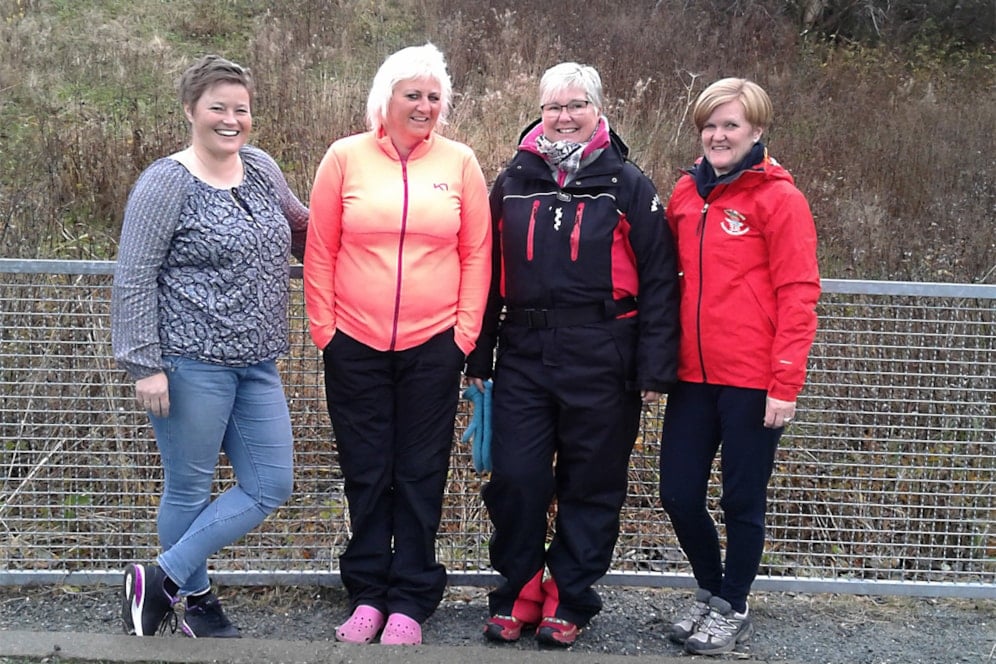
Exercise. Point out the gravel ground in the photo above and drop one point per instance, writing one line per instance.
(828, 629)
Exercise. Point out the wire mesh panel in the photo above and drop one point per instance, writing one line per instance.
(889, 470)
(887, 473)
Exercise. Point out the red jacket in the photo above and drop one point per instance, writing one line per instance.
(749, 281)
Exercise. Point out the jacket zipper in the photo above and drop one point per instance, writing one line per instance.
(401, 252)
(698, 305)
(576, 233)
(532, 231)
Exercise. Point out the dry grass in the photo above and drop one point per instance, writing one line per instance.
(890, 143)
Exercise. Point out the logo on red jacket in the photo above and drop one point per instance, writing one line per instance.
(733, 222)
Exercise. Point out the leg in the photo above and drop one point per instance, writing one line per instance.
(519, 492)
(597, 424)
(689, 441)
(190, 439)
(259, 445)
(360, 397)
(747, 462)
(427, 389)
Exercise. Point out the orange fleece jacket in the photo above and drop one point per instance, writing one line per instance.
(398, 251)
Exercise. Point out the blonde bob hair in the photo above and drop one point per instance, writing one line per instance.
(757, 104)
(409, 63)
(566, 75)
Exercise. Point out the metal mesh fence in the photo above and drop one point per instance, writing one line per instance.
(883, 484)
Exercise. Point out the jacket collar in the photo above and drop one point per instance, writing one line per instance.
(757, 163)
(608, 162)
(387, 146)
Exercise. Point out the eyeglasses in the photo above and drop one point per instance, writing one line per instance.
(574, 107)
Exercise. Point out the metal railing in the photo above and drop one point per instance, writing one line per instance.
(883, 485)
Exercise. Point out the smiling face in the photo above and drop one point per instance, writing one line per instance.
(220, 119)
(412, 112)
(559, 124)
(727, 136)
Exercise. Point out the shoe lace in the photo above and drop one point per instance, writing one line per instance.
(169, 621)
(695, 612)
(719, 626)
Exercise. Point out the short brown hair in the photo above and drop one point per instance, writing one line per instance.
(757, 105)
(208, 71)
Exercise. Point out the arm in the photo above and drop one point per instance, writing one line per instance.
(656, 262)
(791, 238)
(474, 244)
(322, 250)
(150, 218)
(294, 211)
(480, 362)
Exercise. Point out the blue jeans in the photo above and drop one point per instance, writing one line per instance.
(243, 412)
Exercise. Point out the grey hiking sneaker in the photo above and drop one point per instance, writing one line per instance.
(146, 607)
(690, 621)
(206, 619)
(721, 630)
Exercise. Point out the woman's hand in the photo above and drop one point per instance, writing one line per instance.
(152, 394)
(649, 397)
(476, 382)
(778, 413)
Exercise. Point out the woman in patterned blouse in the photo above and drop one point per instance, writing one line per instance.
(198, 318)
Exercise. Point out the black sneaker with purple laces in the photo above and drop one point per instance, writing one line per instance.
(146, 606)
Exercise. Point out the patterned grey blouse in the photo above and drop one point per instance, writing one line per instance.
(203, 272)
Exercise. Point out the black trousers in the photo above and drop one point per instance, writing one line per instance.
(699, 418)
(393, 416)
(565, 418)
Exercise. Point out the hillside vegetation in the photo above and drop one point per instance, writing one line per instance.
(889, 132)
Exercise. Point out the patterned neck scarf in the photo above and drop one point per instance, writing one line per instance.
(562, 155)
(568, 157)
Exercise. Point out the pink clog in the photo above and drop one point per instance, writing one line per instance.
(362, 626)
(401, 631)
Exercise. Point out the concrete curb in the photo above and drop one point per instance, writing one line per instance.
(54, 646)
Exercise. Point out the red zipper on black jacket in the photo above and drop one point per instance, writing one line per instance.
(531, 231)
(576, 233)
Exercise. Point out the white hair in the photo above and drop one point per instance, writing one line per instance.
(409, 63)
(566, 75)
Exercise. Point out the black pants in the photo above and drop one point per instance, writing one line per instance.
(564, 424)
(698, 418)
(393, 415)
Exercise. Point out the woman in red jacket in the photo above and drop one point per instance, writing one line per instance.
(396, 276)
(749, 286)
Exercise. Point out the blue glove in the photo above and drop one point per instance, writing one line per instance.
(479, 429)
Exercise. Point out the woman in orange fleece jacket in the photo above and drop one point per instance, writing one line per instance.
(396, 276)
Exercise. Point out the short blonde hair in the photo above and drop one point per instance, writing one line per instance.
(757, 105)
(412, 62)
(558, 78)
